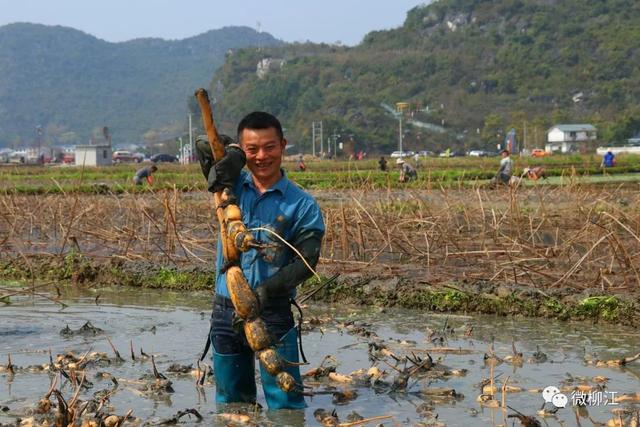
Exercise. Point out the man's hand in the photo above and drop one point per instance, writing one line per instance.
(222, 174)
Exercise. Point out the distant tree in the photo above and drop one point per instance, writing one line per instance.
(559, 116)
(493, 123)
(626, 126)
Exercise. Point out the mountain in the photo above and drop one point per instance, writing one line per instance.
(475, 67)
(72, 84)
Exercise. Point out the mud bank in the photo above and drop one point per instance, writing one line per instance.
(374, 288)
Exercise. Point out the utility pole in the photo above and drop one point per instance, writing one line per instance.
(313, 139)
(524, 138)
(400, 133)
(335, 137)
(190, 139)
(316, 135)
(401, 107)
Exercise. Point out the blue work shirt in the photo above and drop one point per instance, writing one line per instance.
(283, 208)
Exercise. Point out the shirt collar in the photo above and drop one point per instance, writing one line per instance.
(281, 185)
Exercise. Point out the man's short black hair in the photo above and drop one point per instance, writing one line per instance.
(259, 120)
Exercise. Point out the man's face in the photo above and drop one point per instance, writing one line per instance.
(263, 149)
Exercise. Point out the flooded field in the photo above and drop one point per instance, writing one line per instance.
(409, 388)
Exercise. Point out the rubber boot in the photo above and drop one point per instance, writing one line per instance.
(287, 348)
(235, 377)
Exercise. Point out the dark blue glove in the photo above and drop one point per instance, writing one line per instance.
(281, 285)
(224, 173)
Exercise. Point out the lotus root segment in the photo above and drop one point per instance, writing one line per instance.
(286, 382)
(237, 234)
(242, 297)
(246, 303)
(271, 360)
(257, 334)
(232, 213)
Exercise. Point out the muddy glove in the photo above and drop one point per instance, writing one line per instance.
(282, 284)
(222, 174)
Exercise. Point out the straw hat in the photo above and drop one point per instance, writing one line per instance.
(399, 162)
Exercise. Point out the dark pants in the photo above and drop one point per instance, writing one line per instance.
(234, 362)
(224, 338)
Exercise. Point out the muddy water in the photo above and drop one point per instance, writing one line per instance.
(172, 327)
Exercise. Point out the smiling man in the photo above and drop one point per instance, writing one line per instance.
(268, 200)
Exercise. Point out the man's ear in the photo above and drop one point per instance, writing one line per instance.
(284, 144)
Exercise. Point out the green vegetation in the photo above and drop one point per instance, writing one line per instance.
(482, 67)
(72, 84)
(320, 175)
(456, 298)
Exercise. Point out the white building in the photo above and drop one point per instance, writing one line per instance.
(570, 138)
(93, 155)
(267, 65)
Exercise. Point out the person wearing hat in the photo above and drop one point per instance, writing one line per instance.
(407, 172)
(535, 173)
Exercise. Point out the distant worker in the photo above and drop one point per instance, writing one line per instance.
(383, 164)
(535, 174)
(609, 160)
(416, 159)
(407, 172)
(301, 165)
(505, 171)
(145, 173)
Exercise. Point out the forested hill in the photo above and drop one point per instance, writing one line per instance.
(72, 84)
(480, 66)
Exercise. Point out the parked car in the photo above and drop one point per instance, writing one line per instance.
(122, 156)
(448, 153)
(539, 152)
(481, 153)
(426, 153)
(18, 157)
(164, 158)
(400, 154)
(5, 154)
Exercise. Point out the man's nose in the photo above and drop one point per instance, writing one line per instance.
(261, 154)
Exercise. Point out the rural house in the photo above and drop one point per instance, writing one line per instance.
(570, 138)
(93, 155)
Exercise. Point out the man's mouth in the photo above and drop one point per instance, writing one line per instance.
(263, 165)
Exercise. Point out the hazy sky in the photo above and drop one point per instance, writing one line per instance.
(289, 20)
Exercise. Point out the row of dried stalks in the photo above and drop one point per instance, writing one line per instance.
(543, 236)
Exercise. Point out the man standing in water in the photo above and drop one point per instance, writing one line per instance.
(269, 200)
